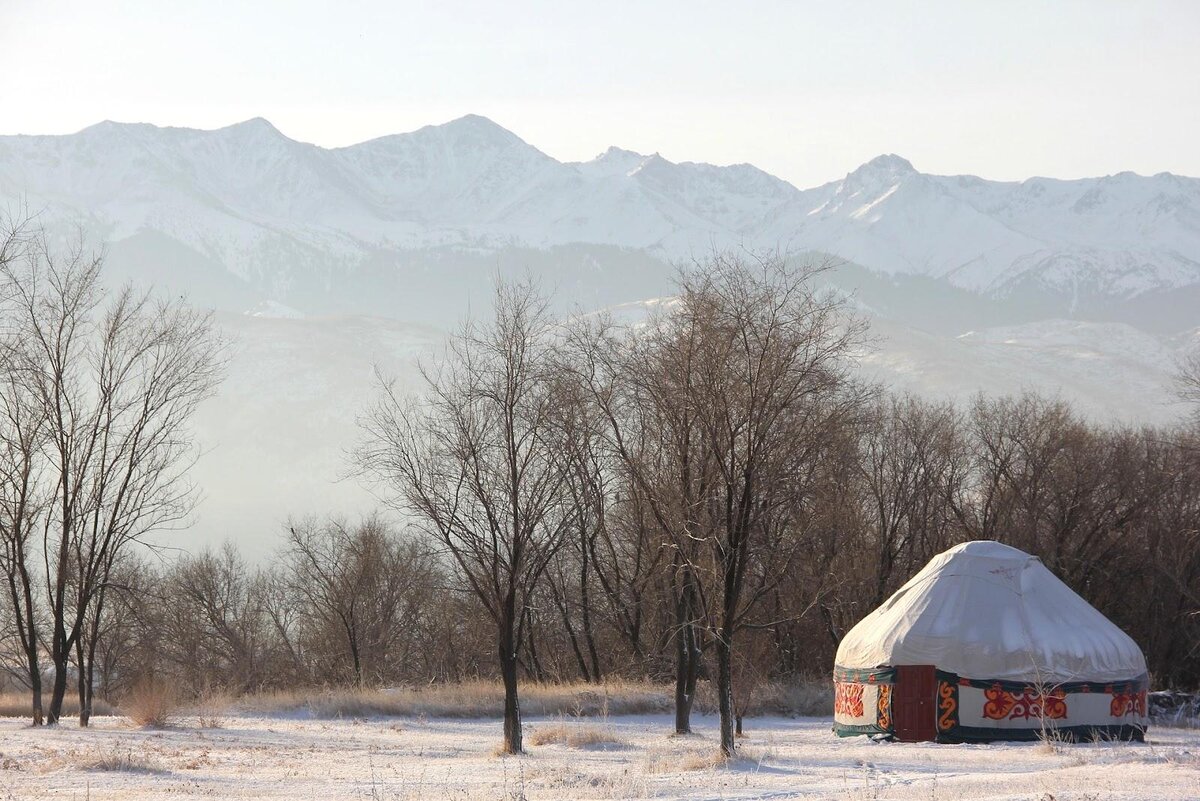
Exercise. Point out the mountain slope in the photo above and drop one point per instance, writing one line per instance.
(298, 224)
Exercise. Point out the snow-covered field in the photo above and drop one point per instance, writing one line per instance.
(403, 758)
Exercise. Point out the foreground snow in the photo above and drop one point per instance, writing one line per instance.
(250, 757)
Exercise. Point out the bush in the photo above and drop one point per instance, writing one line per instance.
(150, 703)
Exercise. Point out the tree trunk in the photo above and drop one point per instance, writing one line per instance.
(565, 613)
(355, 658)
(35, 685)
(81, 685)
(87, 675)
(59, 690)
(22, 600)
(687, 671)
(535, 665)
(724, 645)
(512, 707)
(585, 604)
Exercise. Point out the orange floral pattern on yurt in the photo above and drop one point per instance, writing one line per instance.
(848, 699)
(948, 706)
(1004, 704)
(883, 706)
(1128, 702)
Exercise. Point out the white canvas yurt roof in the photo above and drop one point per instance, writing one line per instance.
(989, 611)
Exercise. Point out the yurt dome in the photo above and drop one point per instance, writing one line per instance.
(986, 643)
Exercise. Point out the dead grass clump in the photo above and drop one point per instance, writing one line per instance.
(573, 735)
(151, 703)
(120, 757)
(1049, 743)
(500, 752)
(678, 763)
(210, 709)
(709, 760)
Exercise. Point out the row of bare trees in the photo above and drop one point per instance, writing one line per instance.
(712, 419)
(706, 495)
(717, 475)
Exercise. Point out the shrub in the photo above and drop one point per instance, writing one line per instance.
(150, 703)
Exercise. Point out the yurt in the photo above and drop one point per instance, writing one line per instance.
(985, 643)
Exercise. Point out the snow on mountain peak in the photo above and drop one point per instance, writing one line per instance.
(888, 163)
(255, 126)
(254, 201)
(881, 175)
(881, 170)
(615, 161)
(111, 131)
(475, 130)
(614, 152)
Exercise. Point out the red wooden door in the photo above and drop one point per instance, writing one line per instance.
(914, 703)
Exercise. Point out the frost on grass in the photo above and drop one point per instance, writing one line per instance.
(123, 757)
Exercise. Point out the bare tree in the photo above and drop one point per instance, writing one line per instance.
(774, 388)
(910, 464)
(215, 617)
(23, 503)
(642, 382)
(360, 589)
(24, 493)
(1188, 381)
(473, 464)
(116, 383)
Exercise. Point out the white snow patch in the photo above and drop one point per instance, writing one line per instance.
(394, 758)
(274, 309)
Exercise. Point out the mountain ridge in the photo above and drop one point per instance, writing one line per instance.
(289, 218)
(327, 265)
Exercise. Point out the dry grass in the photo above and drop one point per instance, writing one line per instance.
(472, 699)
(574, 734)
(678, 763)
(1178, 719)
(119, 757)
(211, 708)
(20, 705)
(485, 699)
(800, 698)
(745, 759)
(151, 703)
(154, 705)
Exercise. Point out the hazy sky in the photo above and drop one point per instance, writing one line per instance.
(804, 90)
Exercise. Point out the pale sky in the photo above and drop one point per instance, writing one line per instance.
(806, 91)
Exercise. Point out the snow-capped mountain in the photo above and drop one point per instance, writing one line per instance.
(965, 281)
(253, 216)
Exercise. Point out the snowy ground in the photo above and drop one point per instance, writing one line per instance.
(253, 758)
